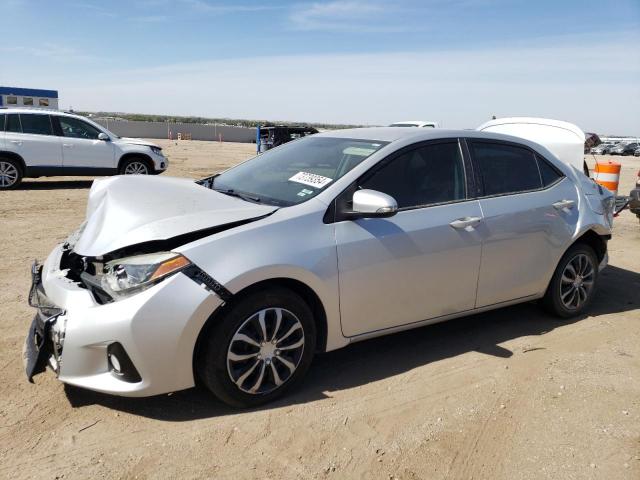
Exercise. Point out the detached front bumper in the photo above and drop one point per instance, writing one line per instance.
(151, 334)
(43, 345)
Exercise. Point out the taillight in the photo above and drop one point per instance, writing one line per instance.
(638, 180)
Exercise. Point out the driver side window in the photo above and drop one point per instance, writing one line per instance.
(426, 175)
(74, 128)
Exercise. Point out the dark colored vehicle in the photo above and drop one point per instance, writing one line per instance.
(624, 149)
(270, 137)
(634, 202)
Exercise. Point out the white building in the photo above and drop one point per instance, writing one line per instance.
(14, 97)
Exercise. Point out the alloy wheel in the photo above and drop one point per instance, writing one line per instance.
(136, 168)
(576, 282)
(8, 174)
(265, 351)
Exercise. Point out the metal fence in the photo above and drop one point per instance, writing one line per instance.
(197, 131)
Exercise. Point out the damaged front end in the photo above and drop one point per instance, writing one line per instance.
(44, 342)
(88, 292)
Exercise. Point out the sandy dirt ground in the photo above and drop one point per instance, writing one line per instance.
(511, 394)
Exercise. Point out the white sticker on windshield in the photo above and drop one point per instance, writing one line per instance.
(311, 179)
(358, 151)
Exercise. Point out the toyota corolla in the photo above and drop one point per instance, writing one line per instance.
(237, 280)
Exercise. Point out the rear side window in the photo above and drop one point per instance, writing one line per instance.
(13, 123)
(36, 124)
(548, 173)
(506, 168)
(2, 117)
(425, 175)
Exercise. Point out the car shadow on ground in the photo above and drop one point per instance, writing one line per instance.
(55, 185)
(373, 360)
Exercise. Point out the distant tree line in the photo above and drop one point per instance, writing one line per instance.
(142, 117)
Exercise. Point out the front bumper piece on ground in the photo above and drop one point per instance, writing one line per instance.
(43, 344)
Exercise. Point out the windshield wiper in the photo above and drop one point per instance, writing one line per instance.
(232, 193)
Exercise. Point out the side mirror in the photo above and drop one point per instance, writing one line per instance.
(373, 204)
(103, 136)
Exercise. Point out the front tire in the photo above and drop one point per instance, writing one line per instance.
(10, 174)
(260, 348)
(135, 166)
(573, 284)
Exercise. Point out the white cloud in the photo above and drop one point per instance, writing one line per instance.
(348, 16)
(203, 6)
(149, 19)
(50, 52)
(592, 82)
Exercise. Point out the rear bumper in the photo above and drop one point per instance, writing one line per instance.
(154, 331)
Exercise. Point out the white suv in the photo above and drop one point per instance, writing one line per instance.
(36, 143)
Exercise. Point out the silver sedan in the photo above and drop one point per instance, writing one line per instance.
(238, 280)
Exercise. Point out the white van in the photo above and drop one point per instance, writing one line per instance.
(565, 140)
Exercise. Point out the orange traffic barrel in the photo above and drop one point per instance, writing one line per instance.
(608, 175)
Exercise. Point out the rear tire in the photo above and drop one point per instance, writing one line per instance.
(573, 283)
(10, 173)
(135, 166)
(259, 349)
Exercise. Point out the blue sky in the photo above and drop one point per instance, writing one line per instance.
(456, 61)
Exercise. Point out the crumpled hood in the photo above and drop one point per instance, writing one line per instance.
(136, 141)
(131, 209)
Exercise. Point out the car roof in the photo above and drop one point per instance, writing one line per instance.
(47, 111)
(392, 134)
(416, 122)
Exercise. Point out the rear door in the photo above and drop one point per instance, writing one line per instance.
(31, 136)
(81, 147)
(2, 119)
(530, 212)
(421, 263)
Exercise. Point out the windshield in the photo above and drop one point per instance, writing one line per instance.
(403, 125)
(295, 172)
(102, 128)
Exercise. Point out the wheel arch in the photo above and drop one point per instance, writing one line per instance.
(14, 156)
(300, 288)
(594, 240)
(590, 237)
(135, 155)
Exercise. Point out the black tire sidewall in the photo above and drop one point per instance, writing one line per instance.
(20, 173)
(212, 361)
(552, 299)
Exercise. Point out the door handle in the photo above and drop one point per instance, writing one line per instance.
(67, 145)
(562, 204)
(466, 223)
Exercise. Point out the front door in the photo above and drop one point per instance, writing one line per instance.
(421, 263)
(81, 148)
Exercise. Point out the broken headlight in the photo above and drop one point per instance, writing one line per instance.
(133, 274)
